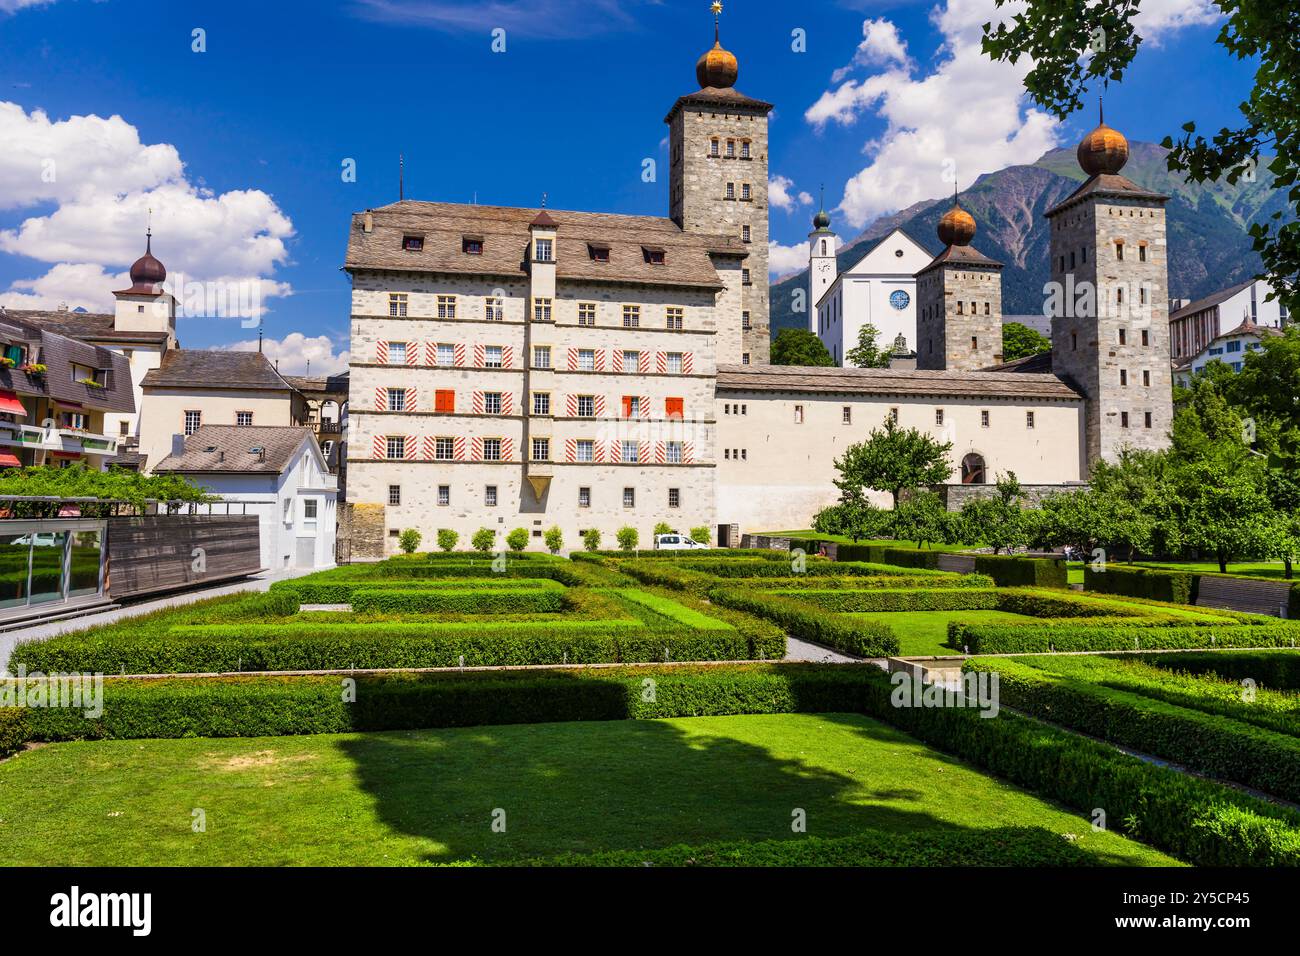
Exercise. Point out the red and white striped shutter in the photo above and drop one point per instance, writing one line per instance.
(643, 362)
(430, 353)
(688, 453)
(381, 353)
(570, 450)
(507, 357)
(460, 355)
(458, 449)
(615, 452)
(478, 356)
(478, 403)
(600, 406)
(660, 455)
(643, 451)
(645, 406)
(412, 353)
(573, 360)
(428, 449)
(618, 360)
(381, 446)
(507, 449)
(598, 450)
(412, 399)
(410, 448)
(507, 402)
(381, 399)
(600, 360)
(661, 362)
(688, 363)
(571, 406)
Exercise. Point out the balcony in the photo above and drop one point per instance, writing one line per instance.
(71, 441)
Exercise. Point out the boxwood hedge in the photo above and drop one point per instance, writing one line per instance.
(1119, 634)
(490, 601)
(1269, 668)
(810, 623)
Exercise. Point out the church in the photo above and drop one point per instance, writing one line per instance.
(536, 368)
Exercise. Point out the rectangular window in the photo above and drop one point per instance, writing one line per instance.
(244, 419)
(492, 403)
(673, 452)
(1123, 337)
(584, 497)
(674, 363)
(974, 339)
(631, 361)
(631, 406)
(745, 234)
(1142, 253)
(731, 190)
(984, 419)
(586, 360)
(490, 496)
(676, 314)
(193, 419)
(674, 408)
(586, 406)
(1123, 378)
(1123, 419)
(731, 149)
(541, 356)
(1147, 417)
(446, 355)
(397, 399)
(654, 257)
(541, 310)
(394, 495)
(744, 278)
(444, 400)
(444, 449)
(745, 192)
(491, 449)
(446, 307)
(713, 148)
(492, 356)
(541, 449)
(744, 149)
(471, 247)
(631, 452)
(1029, 419)
(397, 304)
(396, 353)
(1146, 378)
(543, 251)
(494, 309)
(586, 313)
(631, 316)
(798, 414)
(598, 253)
(1146, 337)
(846, 415)
(444, 496)
(893, 415)
(674, 497)
(629, 497)
(541, 403)
(1119, 251)
(744, 321)
(413, 243)
(586, 450)
(395, 447)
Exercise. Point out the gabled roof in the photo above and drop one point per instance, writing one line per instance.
(58, 353)
(240, 450)
(504, 231)
(215, 368)
(86, 326)
(1200, 305)
(1038, 364)
(889, 381)
(1106, 184)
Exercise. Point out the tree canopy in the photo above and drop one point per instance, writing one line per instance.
(865, 354)
(1020, 341)
(799, 347)
(893, 459)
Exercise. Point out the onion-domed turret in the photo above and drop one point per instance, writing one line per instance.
(957, 227)
(1103, 151)
(822, 221)
(147, 272)
(717, 68)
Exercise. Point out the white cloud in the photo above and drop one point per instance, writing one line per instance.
(553, 19)
(782, 194)
(1157, 18)
(881, 46)
(13, 6)
(295, 350)
(782, 260)
(105, 184)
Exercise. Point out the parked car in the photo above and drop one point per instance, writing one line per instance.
(677, 542)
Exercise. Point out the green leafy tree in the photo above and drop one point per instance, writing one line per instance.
(409, 541)
(517, 539)
(78, 481)
(865, 354)
(892, 459)
(483, 541)
(627, 538)
(1061, 40)
(799, 347)
(854, 517)
(998, 519)
(447, 539)
(663, 528)
(701, 534)
(1020, 341)
(921, 517)
(554, 539)
(591, 539)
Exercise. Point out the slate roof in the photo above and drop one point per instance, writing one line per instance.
(962, 256)
(888, 381)
(229, 449)
(319, 383)
(87, 326)
(1106, 184)
(504, 233)
(58, 353)
(712, 97)
(1039, 363)
(1200, 305)
(215, 368)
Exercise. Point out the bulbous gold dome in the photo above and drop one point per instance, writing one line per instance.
(717, 68)
(957, 227)
(1104, 150)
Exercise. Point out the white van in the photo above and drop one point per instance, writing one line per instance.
(677, 542)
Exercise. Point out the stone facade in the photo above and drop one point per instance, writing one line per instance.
(1110, 327)
(959, 316)
(726, 193)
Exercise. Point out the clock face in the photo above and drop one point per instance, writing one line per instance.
(824, 268)
(900, 300)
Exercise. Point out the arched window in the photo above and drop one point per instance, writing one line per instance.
(972, 470)
(823, 247)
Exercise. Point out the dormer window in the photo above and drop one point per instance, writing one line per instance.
(598, 253)
(543, 250)
(472, 245)
(413, 243)
(654, 257)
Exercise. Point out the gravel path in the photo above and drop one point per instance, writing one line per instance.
(797, 650)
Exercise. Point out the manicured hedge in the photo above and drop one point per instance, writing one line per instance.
(909, 558)
(1119, 635)
(1000, 846)
(492, 601)
(14, 732)
(1009, 571)
(724, 554)
(1176, 587)
(810, 623)
(1270, 668)
(1214, 745)
(333, 591)
(893, 580)
(855, 602)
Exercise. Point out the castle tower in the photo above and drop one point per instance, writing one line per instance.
(718, 187)
(1109, 302)
(145, 307)
(959, 302)
(823, 266)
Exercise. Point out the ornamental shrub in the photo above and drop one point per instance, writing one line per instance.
(409, 540)
(447, 539)
(627, 538)
(517, 539)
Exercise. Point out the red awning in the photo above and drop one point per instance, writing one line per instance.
(8, 460)
(66, 454)
(9, 403)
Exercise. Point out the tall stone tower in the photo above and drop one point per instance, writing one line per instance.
(823, 266)
(718, 187)
(959, 302)
(1109, 302)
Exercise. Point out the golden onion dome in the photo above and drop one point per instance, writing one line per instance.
(1104, 150)
(718, 68)
(957, 227)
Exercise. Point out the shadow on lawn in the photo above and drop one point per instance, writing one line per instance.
(609, 784)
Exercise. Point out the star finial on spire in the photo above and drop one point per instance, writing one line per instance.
(717, 13)
(544, 200)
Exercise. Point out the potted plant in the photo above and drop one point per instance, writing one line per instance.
(90, 382)
(34, 368)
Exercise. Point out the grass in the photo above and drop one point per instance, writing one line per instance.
(1255, 569)
(429, 796)
(883, 542)
(922, 633)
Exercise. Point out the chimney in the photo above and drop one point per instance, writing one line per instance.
(369, 225)
(63, 307)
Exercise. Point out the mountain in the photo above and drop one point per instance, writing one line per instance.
(1209, 248)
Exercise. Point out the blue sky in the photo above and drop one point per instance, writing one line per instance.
(239, 149)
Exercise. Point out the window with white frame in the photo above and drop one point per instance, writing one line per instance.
(673, 452)
(396, 353)
(674, 363)
(494, 309)
(492, 356)
(541, 356)
(586, 450)
(444, 449)
(631, 452)
(446, 307)
(193, 419)
(541, 449)
(244, 419)
(492, 403)
(586, 360)
(541, 403)
(631, 361)
(397, 399)
(491, 449)
(446, 355)
(543, 250)
(395, 446)
(586, 406)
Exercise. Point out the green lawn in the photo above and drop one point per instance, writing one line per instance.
(924, 632)
(884, 542)
(1254, 569)
(429, 796)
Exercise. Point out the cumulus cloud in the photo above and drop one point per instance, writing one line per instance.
(295, 350)
(881, 46)
(782, 194)
(104, 184)
(782, 260)
(1158, 18)
(13, 6)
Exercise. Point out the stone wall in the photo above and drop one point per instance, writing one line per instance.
(959, 317)
(361, 532)
(954, 496)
